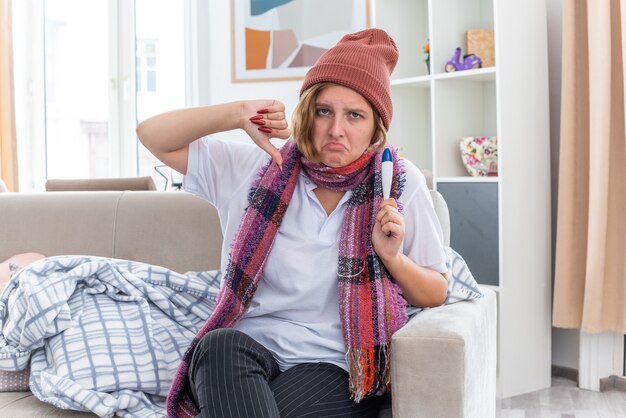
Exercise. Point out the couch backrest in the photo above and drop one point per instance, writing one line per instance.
(106, 184)
(441, 208)
(172, 229)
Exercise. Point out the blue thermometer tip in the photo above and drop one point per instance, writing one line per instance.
(387, 155)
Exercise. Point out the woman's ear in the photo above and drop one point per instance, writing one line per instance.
(376, 144)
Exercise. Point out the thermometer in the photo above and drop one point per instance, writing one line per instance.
(387, 172)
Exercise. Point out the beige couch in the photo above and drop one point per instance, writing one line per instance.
(444, 362)
(105, 184)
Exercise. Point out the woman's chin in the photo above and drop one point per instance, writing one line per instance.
(334, 160)
(334, 163)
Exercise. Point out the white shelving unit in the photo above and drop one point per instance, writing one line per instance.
(509, 213)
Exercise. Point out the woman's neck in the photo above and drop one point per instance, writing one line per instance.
(328, 198)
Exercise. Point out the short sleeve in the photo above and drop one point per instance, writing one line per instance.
(218, 169)
(423, 239)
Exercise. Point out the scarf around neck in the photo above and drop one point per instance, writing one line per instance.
(371, 306)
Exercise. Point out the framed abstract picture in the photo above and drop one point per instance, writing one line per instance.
(281, 39)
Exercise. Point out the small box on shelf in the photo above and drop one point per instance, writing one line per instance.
(480, 43)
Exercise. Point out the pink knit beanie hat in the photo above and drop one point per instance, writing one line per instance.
(362, 61)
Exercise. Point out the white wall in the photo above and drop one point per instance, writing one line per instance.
(217, 67)
(565, 342)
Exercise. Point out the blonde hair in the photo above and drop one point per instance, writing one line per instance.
(304, 116)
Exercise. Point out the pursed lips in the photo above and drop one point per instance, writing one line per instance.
(335, 146)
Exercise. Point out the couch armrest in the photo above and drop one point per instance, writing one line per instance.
(444, 361)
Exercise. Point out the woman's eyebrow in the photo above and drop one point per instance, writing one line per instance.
(356, 109)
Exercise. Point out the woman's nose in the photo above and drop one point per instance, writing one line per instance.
(336, 127)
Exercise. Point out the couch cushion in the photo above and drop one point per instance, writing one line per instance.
(140, 226)
(58, 223)
(155, 219)
(14, 381)
(25, 404)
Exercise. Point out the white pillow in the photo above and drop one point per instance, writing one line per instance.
(461, 282)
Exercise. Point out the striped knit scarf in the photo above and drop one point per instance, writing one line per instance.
(371, 306)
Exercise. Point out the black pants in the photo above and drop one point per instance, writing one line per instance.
(232, 375)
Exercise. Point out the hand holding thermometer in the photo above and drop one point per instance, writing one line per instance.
(387, 172)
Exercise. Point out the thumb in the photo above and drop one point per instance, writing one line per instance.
(268, 147)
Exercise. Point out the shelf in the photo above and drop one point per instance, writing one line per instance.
(434, 110)
(407, 22)
(420, 82)
(466, 179)
(461, 109)
(479, 74)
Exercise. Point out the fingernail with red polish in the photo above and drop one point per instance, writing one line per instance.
(258, 121)
(265, 129)
(262, 111)
(256, 117)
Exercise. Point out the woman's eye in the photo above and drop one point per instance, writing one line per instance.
(323, 111)
(354, 115)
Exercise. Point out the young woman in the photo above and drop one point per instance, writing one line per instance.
(318, 267)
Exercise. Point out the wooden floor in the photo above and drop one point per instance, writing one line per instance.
(564, 400)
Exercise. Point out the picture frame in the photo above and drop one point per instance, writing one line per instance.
(276, 40)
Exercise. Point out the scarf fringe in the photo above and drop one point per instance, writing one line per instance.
(370, 371)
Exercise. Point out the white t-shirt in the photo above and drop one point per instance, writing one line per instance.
(295, 311)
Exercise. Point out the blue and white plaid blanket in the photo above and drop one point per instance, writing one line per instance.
(106, 335)
(101, 334)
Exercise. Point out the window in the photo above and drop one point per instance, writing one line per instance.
(160, 69)
(146, 65)
(85, 72)
(77, 89)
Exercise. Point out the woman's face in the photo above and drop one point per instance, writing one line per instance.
(344, 126)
